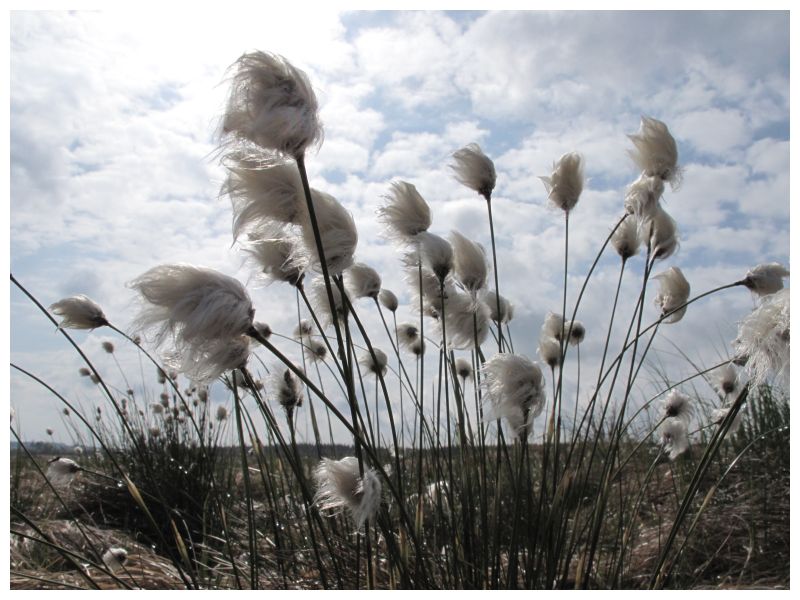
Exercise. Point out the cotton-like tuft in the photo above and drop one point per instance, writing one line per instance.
(263, 329)
(436, 253)
(340, 486)
(288, 390)
(62, 471)
(764, 339)
(514, 388)
(766, 279)
(673, 293)
(469, 261)
(553, 326)
(626, 238)
(115, 558)
(222, 413)
(725, 379)
(643, 195)
(304, 329)
(407, 333)
(659, 232)
(263, 192)
(675, 437)
(475, 170)
(272, 256)
(576, 332)
(656, 152)
(376, 365)
(565, 183)
(506, 313)
(388, 299)
(466, 321)
(79, 312)
(405, 213)
(322, 306)
(337, 231)
(202, 311)
(677, 406)
(272, 105)
(362, 281)
(718, 415)
(549, 350)
(463, 368)
(317, 349)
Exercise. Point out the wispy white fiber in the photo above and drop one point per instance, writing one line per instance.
(565, 183)
(340, 487)
(79, 312)
(514, 388)
(474, 169)
(673, 293)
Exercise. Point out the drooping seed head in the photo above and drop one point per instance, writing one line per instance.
(672, 295)
(341, 486)
(362, 281)
(115, 558)
(678, 406)
(766, 279)
(626, 238)
(337, 231)
(271, 254)
(388, 299)
(674, 437)
(659, 232)
(222, 413)
(463, 368)
(376, 364)
(643, 195)
(62, 471)
(79, 312)
(506, 308)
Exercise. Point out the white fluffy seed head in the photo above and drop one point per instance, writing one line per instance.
(407, 333)
(376, 364)
(388, 299)
(553, 326)
(675, 437)
(436, 254)
(263, 191)
(565, 183)
(222, 413)
(194, 304)
(322, 307)
(405, 213)
(340, 487)
(272, 105)
(726, 379)
(474, 169)
(506, 309)
(288, 390)
(304, 329)
(677, 406)
(718, 415)
(362, 281)
(62, 471)
(463, 368)
(115, 558)
(626, 238)
(271, 254)
(766, 279)
(466, 321)
(673, 293)
(514, 388)
(206, 361)
(78, 312)
(656, 152)
(469, 261)
(659, 232)
(549, 350)
(642, 196)
(317, 349)
(337, 231)
(576, 332)
(764, 339)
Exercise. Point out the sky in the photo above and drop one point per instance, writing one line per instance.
(114, 169)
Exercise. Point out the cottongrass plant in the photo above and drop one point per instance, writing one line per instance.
(440, 484)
